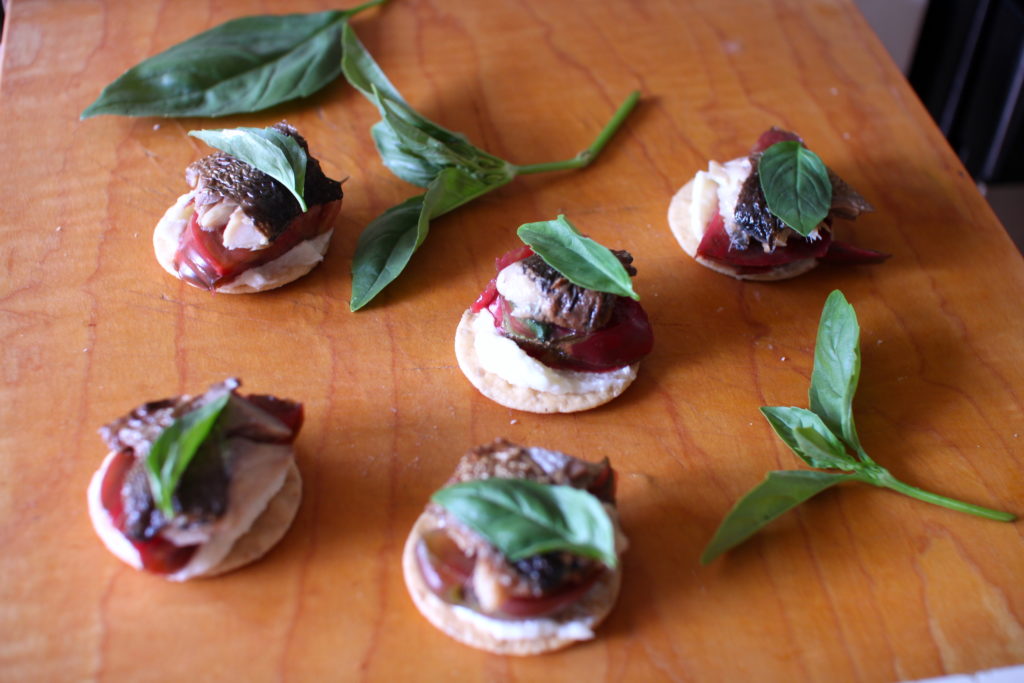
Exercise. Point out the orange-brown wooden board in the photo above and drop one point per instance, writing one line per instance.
(859, 584)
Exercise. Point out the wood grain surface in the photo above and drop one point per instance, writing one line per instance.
(860, 584)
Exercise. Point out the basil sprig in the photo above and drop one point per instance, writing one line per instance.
(796, 185)
(823, 437)
(269, 150)
(419, 151)
(243, 65)
(580, 259)
(522, 518)
(174, 449)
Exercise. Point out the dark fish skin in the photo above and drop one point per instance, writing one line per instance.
(753, 217)
(569, 305)
(271, 206)
(846, 202)
(756, 221)
(201, 496)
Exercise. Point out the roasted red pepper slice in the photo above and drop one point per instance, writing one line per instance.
(203, 260)
(445, 569)
(772, 136)
(157, 554)
(603, 488)
(715, 246)
(447, 572)
(841, 252)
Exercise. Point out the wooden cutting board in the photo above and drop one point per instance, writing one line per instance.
(859, 584)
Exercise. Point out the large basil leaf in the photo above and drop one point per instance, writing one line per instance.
(780, 492)
(174, 449)
(242, 65)
(837, 368)
(796, 185)
(807, 435)
(523, 518)
(580, 259)
(389, 241)
(269, 150)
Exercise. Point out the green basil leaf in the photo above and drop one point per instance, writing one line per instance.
(580, 259)
(389, 241)
(406, 144)
(524, 518)
(412, 168)
(837, 368)
(780, 492)
(413, 147)
(796, 185)
(269, 150)
(243, 65)
(807, 435)
(366, 76)
(174, 449)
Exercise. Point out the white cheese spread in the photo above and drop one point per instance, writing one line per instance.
(718, 189)
(528, 629)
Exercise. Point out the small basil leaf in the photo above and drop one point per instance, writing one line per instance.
(780, 492)
(267, 149)
(807, 435)
(413, 145)
(243, 65)
(796, 185)
(837, 368)
(411, 168)
(580, 259)
(524, 518)
(366, 76)
(174, 449)
(389, 241)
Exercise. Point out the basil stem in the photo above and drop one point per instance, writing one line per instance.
(879, 476)
(243, 65)
(818, 435)
(590, 153)
(420, 152)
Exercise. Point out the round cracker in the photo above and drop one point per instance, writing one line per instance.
(265, 532)
(690, 236)
(520, 397)
(287, 267)
(577, 620)
(268, 529)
